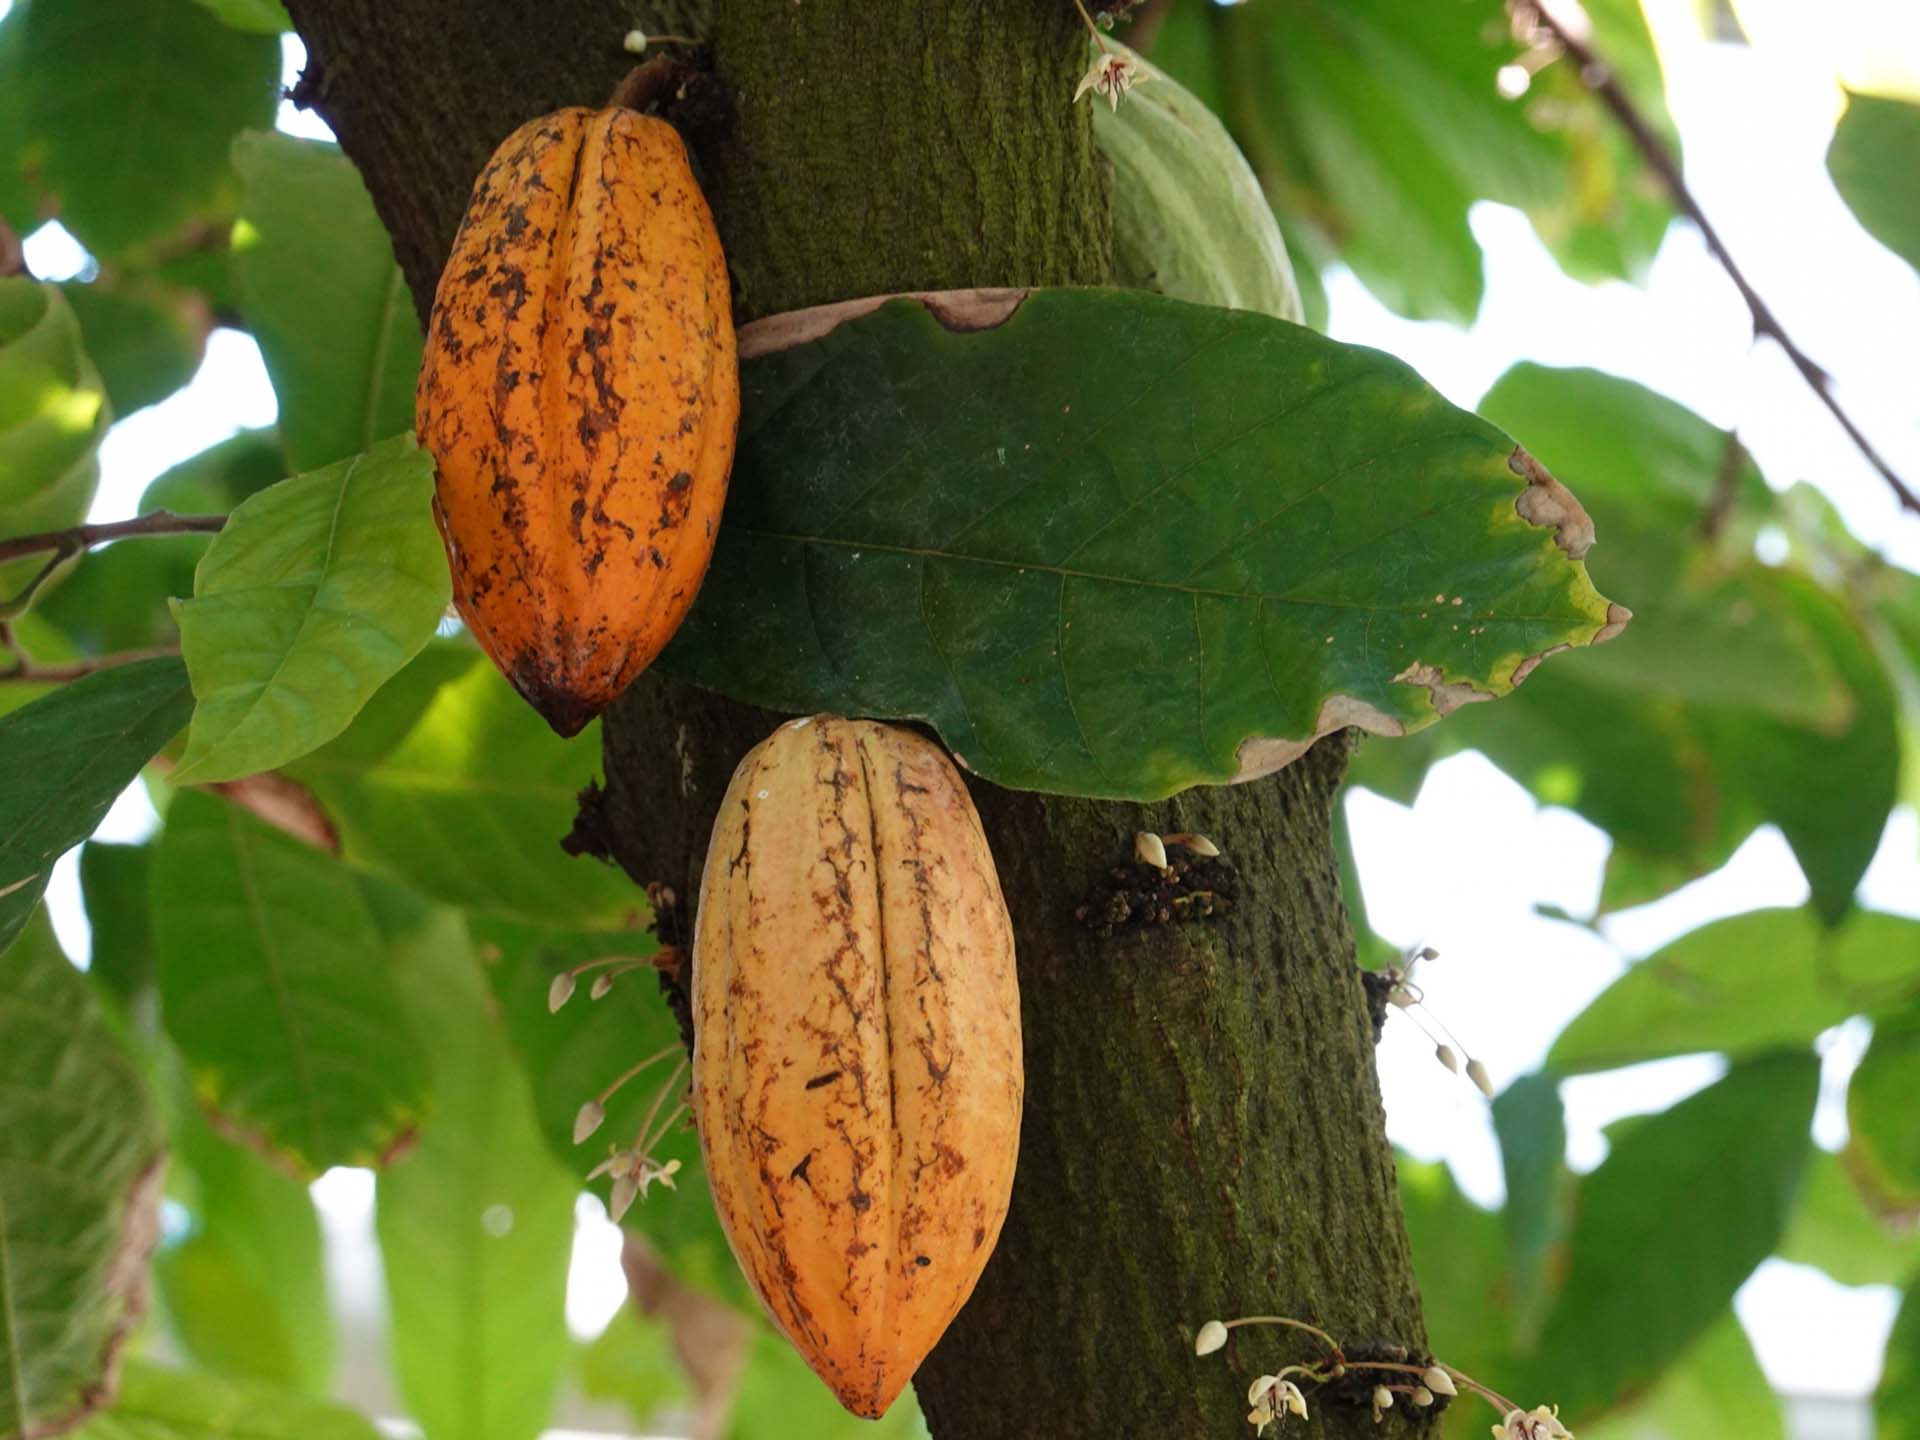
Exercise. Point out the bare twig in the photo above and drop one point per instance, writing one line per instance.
(13, 256)
(84, 537)
(24, 671)
(1598, 76)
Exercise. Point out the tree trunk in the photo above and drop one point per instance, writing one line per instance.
(1203, 1133)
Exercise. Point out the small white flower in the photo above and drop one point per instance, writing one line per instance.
(1290, 1398)
(1540, 1423)
(1261, 1416)
(560, 991)
(588, 1120)
(1212, 1336)
(1112, 75)
(1438, 1381)
(1261, 1385)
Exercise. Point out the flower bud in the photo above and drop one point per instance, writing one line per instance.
(602, 983)
(1444, 1054)
(1438, 1381)
(560, 991)
(1477, 1073)
(1382, 1398)
(1422, 1396)
(1149, 849)
(1212, 1336)
(588, 1120)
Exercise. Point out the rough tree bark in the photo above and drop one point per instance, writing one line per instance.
(1203, 1134)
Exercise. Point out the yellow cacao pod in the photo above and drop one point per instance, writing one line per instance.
(580, 394)
(856, 1064)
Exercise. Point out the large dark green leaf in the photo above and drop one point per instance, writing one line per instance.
(1837, 1230)
(1896, 1405)
(472, 804)
(1716, 1388)
(256, 17)
(1881, 1106)
(476, 1221)
(1763, 980)
(572, 1055)
(114, 880)
(80, 1174)
(1532, 1128)
(1119, 545)
(246, 1286)
(156, 1404)
(68, 756)
(53, 415)
(1873, 158)
(136, 103)
(1687, 1203)
(315, 594)
(1460, 1257)
(277, 984)
(19, 198)
(323, 296)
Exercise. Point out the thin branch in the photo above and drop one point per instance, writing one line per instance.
(84, 537)
(25, 672)
(13, 255)
(1598, 76)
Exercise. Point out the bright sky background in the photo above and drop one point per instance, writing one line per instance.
(1464, 867)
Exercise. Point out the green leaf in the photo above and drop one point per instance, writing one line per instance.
(80, 1175)
(114, 880)
(1189, 218)
(316, 593)
(472, 805)
(1880, 1107)
(1689, 1201)
(219, 477)
(1835, 1229)
(277, 985)
(780, 1396)
(69, 755)
(1460, 1258)
(1532, 1128)
(1873, 158)
(632, 1363)
(571, 1056)
(246, 1288)
(256, 17)
(1896, 1405)
(139, 338)
(1716, 1388)
(137, 102)
(158, 1404)
(53, 415)
(1764, 980)
(19, 198)
(321, 292)
(475, 1222)
(1106, 544)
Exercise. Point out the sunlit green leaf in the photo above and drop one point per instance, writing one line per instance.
(1754, 982)
(53, 415)
(277, 985)
(137, 102)
(19, 199)
(1189, 218)
(1880, 1106)
(246, 1287)
(1835, 1229)
(1105, 545)
(1532, 1128)
(318, 591)
(779, 1395)
(472, 805)
(80, 1176)
(144, 347)
(1873, 158)
(257, 17)
(157, 1404)
(1460, 1257)
(632, 1363)
(1664, 1232)
(68, 756)
(476, 1221)
(322, 294)
(1716, 1388)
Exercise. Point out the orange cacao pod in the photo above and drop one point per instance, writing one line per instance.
(856, 1064)
(579, 395)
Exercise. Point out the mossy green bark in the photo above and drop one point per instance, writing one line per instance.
(1203, 1133)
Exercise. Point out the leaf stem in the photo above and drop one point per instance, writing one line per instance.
(1598, 76)
(20, 668)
